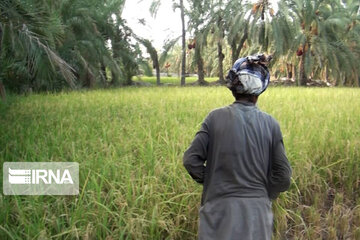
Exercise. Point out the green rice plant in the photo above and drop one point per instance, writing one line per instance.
(129, 144)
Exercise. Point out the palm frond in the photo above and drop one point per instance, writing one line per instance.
(30, 40)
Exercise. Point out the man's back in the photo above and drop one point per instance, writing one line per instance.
(239, 140)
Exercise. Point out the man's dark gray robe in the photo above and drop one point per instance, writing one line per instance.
(239, 157)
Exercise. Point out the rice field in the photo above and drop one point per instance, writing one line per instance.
(129, 144)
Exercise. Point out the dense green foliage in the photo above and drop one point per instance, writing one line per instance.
(129, 143)
(50, 45)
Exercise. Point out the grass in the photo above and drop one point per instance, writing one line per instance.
(172, 80)
(129, 144)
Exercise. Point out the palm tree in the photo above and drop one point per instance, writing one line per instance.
(352, 36)
(259, 10)
(217, 28)
(153, 55)
(280, 32)
(199, 18)
(156, 60)
(319, 37)
(236, 24)
(86, 42)
(29, 37)
(153, 10)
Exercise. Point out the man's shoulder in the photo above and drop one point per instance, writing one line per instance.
(219, 111)
(268, 116)
(272, 122)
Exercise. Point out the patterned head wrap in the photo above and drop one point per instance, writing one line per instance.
(249, 75)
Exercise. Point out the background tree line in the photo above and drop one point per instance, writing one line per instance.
(308, 39)
(51, 45)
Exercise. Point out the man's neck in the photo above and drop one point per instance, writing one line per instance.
(250, 99)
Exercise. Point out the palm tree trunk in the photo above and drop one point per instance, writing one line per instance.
(200, 65)
(89, 79)
(221, 57)
(103, 74)
(114, 74)
(201, 75)
(327, 74)
(157, 68)
(115, 43)
(183, 57)
(289, 69)
(302, 74)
